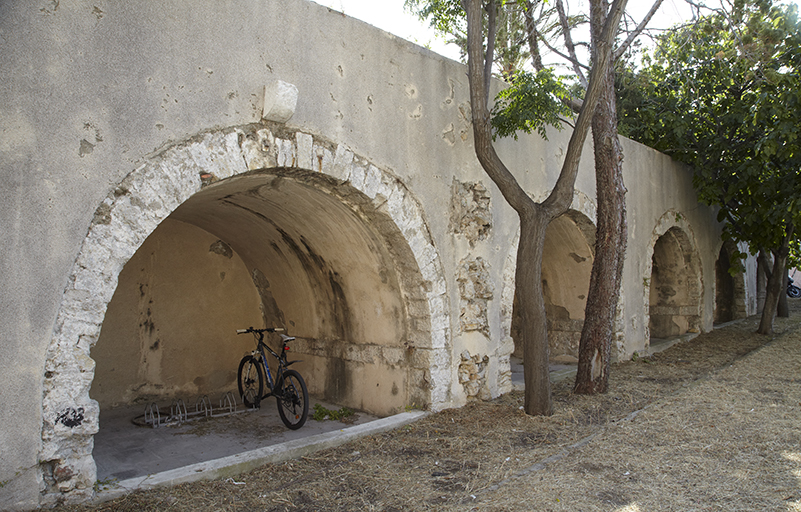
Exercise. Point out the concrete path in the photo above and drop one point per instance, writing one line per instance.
(130, 457)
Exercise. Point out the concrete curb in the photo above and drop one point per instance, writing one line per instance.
(242, 462)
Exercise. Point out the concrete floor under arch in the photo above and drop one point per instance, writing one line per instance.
(124, 450)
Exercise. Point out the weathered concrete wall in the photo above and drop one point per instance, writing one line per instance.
(167, 92)
(167, 330)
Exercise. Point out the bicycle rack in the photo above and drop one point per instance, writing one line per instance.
(179, 413)
(152, 415)
(178, 410)
(203, 406)
(228, 401)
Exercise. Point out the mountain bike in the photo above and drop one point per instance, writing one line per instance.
(288, 387)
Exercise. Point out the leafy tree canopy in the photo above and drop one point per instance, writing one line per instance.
(724, 96)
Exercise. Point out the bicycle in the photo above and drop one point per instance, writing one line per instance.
(288, 388)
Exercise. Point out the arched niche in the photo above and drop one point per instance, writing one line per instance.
(675, 287)
(567, 265)
(730, 300)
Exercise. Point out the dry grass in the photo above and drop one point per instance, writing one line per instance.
(697, 427)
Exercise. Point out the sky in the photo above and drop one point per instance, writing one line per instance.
(389, 15)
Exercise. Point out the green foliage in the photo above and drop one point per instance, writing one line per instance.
(445, 16)
(321, 413)
(103, 485)
(532, 101)
(448, 18)
(722, 95)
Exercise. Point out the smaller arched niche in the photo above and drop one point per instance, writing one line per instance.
(567, 260)
(675, 286)
(730, 303)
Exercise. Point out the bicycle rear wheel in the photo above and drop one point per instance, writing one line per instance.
(293, 400)
(250, 379)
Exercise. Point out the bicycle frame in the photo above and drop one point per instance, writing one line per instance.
(263, 360)
(288, 386)
(260, 356)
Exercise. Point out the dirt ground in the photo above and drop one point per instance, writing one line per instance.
(710, 424)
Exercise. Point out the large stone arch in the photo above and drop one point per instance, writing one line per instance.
(566, 293)
(675, 288)
(147, 196)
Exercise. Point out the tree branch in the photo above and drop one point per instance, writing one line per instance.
(532, 34)
(562, 195)
(571, 48)
(482, 127)
(637, 31)
(492, 30)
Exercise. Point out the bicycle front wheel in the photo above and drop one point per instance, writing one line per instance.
(250, 379)
(293, 400)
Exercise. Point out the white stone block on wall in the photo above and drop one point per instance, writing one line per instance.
(357, 175)
(286, 153)
(324, 159)
(343, 161)
(280, 100)
(372, 179)
(305, 148)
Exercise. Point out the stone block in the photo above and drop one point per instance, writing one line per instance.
(394, 206)
(420, 358)
(256, 149)
(286, 153)
(324, 159)
(343, 160)
(179, 168)
(89, 308)
(419, 308)
(280, 100)
(305, 145)
(357, 174)
(394, 355)
(439, 335)
(218, 154)
(88, 279)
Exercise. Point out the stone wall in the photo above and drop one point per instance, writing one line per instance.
(111, 124)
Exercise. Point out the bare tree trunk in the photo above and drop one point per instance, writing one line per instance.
(595, 346)
(534, 327)
(775, 282)
(534, 217)
(783, 309)
(763, 270)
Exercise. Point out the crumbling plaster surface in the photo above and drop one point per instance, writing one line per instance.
(92, 93)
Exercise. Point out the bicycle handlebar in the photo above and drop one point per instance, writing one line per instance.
(269, 329)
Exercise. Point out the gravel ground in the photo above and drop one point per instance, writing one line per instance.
(710, 424)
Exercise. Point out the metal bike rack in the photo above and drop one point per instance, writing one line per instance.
(179, 413)
(152, 415)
